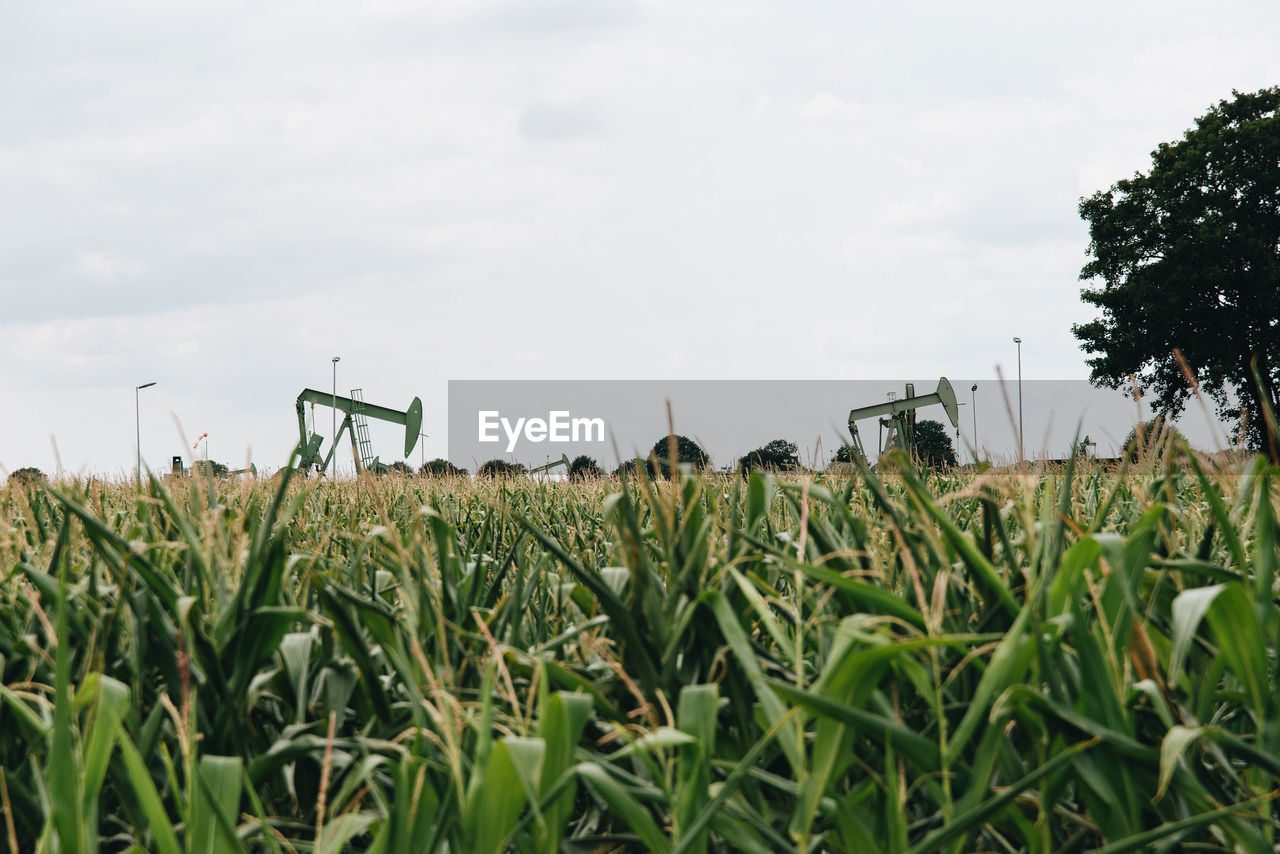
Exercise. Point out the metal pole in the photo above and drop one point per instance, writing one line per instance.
(1021, 453)
(137, 425)
(973, 400)
(334, 419)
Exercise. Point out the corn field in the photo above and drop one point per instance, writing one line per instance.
(1068, 660)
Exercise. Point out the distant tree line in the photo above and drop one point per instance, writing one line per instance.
(933, 448)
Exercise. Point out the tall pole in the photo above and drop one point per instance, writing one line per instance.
(1021, 454)
(334, 412)
(137, 424)
(973, 401)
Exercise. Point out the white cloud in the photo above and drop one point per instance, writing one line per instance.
(984, 119)
(827, 107)
(559, 121)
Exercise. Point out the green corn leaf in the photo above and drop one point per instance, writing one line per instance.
(1145, 841)
(511, 776)
(965, 823)
(1189, 609)
(216, 804)
(148, 798)
(66, 786)
(625, 806)
(564, 717)
(1239, 636)
(1172, 747)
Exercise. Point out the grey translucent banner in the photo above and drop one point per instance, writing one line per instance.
(535, 422)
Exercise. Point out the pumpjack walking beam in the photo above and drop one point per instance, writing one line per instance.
(309, 445)
(899, 416)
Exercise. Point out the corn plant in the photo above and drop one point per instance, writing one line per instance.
(1066, 659)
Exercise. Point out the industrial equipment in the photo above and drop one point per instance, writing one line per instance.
(356, 424)
(546, 469)
(898, 416)
(178, 469)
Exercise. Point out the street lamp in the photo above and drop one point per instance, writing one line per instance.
(1021, 455)
(334, 413)
(137, 425)
(973, 401)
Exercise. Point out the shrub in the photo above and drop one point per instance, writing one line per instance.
(440, 467)
(501, 468)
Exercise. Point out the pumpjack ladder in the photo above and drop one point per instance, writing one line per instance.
(361, 426)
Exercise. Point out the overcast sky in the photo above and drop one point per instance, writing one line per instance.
(219, 197)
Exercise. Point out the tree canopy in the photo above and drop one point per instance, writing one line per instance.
(628, 468)
(844, 457)
(440, 467)
(1187, 256)
(1149, 438)
(932, 446)
(584, 468)
(687, 451)
(28, 475)
(501, 468)
(778, 455)
(216, 468)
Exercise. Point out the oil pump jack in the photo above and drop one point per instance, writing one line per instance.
(546, 470)
(898, 416)
(355, 423)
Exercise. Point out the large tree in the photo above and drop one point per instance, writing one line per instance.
(584, 467)
(687, 451)
(1187, 256)
(932, 445)
(501, 468)
(844, 457)
(778, 455)
(440, 467)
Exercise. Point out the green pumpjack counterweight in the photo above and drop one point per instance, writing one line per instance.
(309, 445)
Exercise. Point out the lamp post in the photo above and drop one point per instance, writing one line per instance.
(1021, 455)
(137, 425)
(334, 412)
(973, 401)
